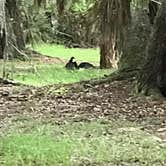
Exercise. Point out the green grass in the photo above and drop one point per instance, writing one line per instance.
(89, 55)
(56, 74)
(28, 149)
(75, 144)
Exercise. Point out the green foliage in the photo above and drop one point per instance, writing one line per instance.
(139, 3)
(35, 21)
(83, 5)
(73, 31)
(64, 29)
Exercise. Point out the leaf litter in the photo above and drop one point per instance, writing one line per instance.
(83, 102)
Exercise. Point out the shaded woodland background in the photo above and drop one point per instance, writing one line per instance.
(109, 115)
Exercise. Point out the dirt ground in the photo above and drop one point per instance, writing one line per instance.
(82, 102)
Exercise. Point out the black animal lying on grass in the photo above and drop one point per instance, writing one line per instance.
(85, 65)
(72, 64)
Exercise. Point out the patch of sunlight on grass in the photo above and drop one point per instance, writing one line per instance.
(79, 143)
(81, 54)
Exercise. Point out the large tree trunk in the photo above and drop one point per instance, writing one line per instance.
(14, 30)
(109, 54)
(137, 36)
(153, 74)
(153, 8)
(114, 15)
(15, 15)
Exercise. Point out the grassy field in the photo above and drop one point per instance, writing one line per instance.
(41, 74)
(90, 55)
(78, 144)
(55, 74)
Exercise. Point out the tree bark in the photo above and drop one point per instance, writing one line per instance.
(14, 30)
(153, 74)
(2, 28)
(114, 16)
(15, 15)
(136, 38)
(153, 8)
(2, 43)
(108, 55)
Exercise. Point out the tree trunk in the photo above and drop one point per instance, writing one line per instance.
(153, 8)
(2, 28)
(2, 43)
(14, 30)
(114, 16)
(15, 15)
(153, 74)
(137, 36)
(108, 55)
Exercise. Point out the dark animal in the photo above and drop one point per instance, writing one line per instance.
(71, 64)
(85, 65)
(153, 8)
